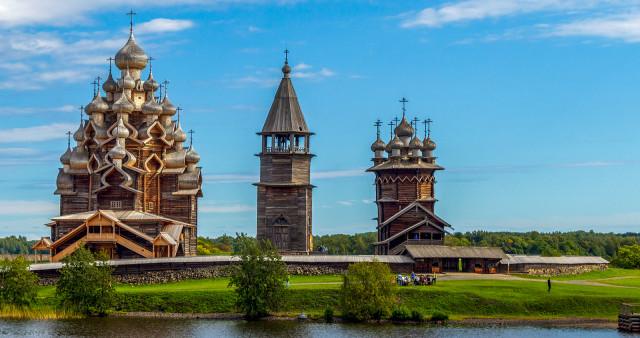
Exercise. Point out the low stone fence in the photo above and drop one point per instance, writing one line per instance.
(547, 270)
(165, 276)
(29, 257)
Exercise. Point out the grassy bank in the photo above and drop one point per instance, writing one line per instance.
(458, 298)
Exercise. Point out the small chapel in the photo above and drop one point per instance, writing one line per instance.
(405, 196)
(129, 186)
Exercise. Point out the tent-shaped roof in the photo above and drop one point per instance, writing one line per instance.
(43, 244)
(285, 115)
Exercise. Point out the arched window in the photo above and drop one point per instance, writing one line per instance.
(281, 221)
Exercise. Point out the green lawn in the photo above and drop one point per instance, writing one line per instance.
(592, 275)
(458, 298)
(632, 281)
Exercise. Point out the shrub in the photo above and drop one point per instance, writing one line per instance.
(439, 317)
(259, 278)
(417, 315)
(400, 313)
(328, 314)
(84, 285)
(628, 257)
(17, 284)
(367, 291)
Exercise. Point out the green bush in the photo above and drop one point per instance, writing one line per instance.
(439, 317)
(259, 278)
(417, 315)
(367, 291)
(84, 285)
(400, 313)
(17, 284)
(328, 314)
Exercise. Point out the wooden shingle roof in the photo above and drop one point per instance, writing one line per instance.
(285, 115)
(443, 251)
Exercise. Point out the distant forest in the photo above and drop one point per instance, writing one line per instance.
(584, 243)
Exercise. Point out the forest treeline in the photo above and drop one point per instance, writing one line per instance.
(584, 243)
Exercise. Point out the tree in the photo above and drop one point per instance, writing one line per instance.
(85, 283)
(367, 291)
(18, 285)
(628, 257)
(259, 278)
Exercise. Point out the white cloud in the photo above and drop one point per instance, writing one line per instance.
(36, 134)
(367, 201)
(230, 178)
(319, 175)
(483, 9)
(625, 27)
(347, 203)
(18, 151)
(313, 75)
(161, 25)
(19, 207)
(226, 208)
(301, 66)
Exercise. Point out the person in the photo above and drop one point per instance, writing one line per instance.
(435, 277)
(549, 283)
(400, 279)
(288, 277)
(413, 275)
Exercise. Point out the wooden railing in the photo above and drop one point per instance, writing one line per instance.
(103, 236)
(71, 248)
(133, 246)
(285, 149)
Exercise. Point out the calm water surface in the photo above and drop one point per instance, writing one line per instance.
(132, 327)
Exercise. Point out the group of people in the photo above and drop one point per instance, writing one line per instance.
(428, 279)
(322, 248)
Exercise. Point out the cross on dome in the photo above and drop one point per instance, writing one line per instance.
(403, 102)
(191, 137)
(377, 125)
(68, 139)
(131, 14)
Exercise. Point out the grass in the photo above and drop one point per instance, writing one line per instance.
(457, 298)
(37, 311)
(631, 281)
(592, 275)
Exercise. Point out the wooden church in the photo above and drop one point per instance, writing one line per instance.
(407, 223)
(284, 190)
(129, 186)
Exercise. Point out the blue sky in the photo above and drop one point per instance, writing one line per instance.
(535, 103)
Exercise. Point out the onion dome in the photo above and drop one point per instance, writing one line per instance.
(122, 104)
(286, 69)
(128, 82)
(96, 106)
(66, 157)
(150, 84)
(117, 152)
(428, 145)
(79, 158)
(167, 107)
(396, 143)
(192, 156)
(132, 54)
(121, 131)
(378, 145)
(110, 84)
(179, 135)
(78, 136)
(152, 107)
(404, 128)
(415, 143)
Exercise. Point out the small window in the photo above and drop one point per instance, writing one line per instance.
(150, 206)
(116, 204)
(193, 207)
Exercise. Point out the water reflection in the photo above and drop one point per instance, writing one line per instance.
(128, 327)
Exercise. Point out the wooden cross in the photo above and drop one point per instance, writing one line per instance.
(415, 124)
(403, 102)
(286, 55)
(81, 109)
(160, 92)
(68, 139)
(110, 59)
(396, 120)
(131, 14)
(150, 59)
(94, 83)
(191, 137)
(165, 86)
(378, 124)
(178, 110)
(427, 123)
(98, 79)
(391, 125)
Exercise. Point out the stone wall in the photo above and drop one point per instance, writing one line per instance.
(165, 276)
(548, 270)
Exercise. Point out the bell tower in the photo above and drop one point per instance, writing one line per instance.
(284, 190)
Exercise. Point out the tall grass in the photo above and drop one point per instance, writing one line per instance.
(37, 312)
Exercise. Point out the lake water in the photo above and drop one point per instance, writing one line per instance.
(227, 328)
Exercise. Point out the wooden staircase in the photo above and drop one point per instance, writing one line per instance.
(133, 246)
(71, 248)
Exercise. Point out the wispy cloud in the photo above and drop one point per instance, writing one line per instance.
(323, 73)
(162, 25)
(32, 110)
(483, 9)
(216, 209)
(548, 165)
(301, 66)
(623, 26)
(230, 178)
(319, 175)
(346, 203)
(20, 207)
(36, 134)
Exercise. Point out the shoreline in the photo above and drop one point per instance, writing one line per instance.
(578, 322)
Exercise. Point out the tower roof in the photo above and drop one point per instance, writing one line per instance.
(285, 115)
